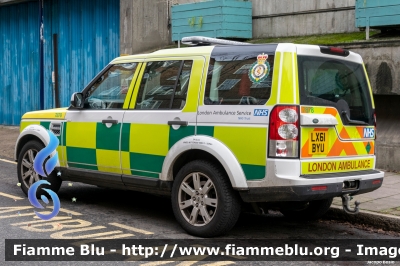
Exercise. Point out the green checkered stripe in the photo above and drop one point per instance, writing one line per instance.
(247, 143)
(143, 147)
(93, 146)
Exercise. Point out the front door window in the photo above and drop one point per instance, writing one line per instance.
(109, 91)
(92, 135)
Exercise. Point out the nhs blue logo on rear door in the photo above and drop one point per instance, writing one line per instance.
(369, 133)
(261, 112)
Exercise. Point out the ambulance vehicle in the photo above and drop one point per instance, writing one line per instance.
(218, 127)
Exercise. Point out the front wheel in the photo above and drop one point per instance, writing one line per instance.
(312, 210)
(203, 200)
(27, 174)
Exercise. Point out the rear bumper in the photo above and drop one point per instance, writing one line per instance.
(306, 193)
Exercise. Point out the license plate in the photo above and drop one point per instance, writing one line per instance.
(318, 142)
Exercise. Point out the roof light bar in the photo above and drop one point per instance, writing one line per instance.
(200, 40)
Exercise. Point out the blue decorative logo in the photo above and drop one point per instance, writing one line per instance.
(49, 167)
(261, 112)
(369, 132)
(36, 203)
(43, 154)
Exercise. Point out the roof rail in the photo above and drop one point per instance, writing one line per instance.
(200, 40)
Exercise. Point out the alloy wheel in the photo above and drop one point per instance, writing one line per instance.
(198, 199)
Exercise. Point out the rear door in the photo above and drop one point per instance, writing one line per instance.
(162, 112)
(237, 103)
(337, 113)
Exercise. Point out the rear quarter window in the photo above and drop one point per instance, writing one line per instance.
(240, 75)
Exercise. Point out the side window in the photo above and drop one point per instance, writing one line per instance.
(245, 82)
(164, 85)
(109, 91)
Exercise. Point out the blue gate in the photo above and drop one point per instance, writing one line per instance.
(19, 57)
(87, 35)
(88, 39)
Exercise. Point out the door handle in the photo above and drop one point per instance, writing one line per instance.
(178, 123)
(110, 121)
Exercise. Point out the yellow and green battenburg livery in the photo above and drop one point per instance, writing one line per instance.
(146, 158)
(143, 157)
(140, 148)
(276, 122)
(247, 143)
(125, 149)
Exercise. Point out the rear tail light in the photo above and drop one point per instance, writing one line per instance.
(284, 129)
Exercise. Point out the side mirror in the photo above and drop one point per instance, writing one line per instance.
(77, 100)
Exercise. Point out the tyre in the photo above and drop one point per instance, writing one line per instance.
(312, 210)
(26, 173)
(203, 200)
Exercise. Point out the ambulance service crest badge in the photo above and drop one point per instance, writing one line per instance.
(259, 71)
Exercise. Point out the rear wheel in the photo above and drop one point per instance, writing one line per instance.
(203, 200)
(312, 210)
(27, 174)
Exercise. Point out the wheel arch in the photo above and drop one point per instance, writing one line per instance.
(205, 148)
(32, 132)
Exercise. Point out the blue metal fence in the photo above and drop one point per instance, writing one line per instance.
(19, 57)
(88, 39)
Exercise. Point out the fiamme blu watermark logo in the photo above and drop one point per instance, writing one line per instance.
(44, 169)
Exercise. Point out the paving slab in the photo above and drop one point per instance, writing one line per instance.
(383, 192)
(391, 180)
(379, 205)
(360, 198)
(397, 196)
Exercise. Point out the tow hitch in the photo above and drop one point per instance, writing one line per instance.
(346, 204)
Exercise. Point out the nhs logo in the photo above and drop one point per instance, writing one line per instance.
(261, 112)
(369, 133)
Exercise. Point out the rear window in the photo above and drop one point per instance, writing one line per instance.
(332, 82)
(240, 75)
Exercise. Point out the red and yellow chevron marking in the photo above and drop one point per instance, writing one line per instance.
(345, 132)
(336, 146)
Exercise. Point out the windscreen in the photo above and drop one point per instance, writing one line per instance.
(336, 83)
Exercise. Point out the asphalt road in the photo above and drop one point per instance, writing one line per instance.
(114, 214)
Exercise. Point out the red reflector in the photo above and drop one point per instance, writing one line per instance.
(376, 182)
(319, 188)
